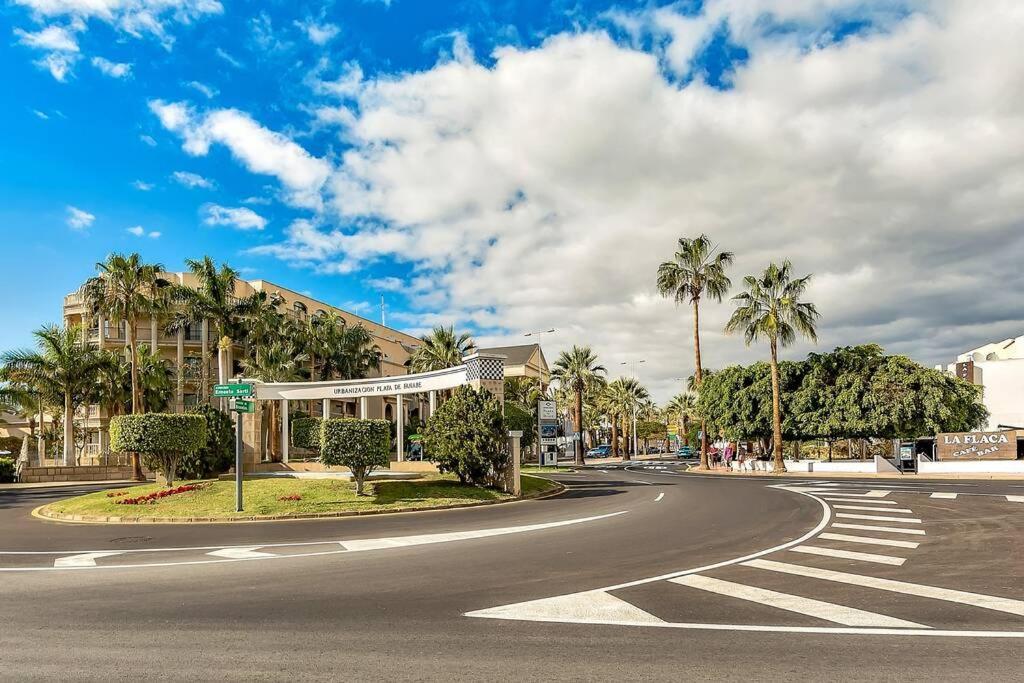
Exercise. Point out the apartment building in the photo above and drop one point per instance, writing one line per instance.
(192, 353)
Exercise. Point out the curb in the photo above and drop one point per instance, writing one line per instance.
(950, 476)
(39, 513)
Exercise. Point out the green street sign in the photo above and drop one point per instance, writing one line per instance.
(243, 406)
(232, 390)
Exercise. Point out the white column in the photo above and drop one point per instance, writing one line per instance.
(153, 332)
(326, 408)
(400, 416)
(100, 323)
(433, 402)
(284, 430)
(364, 407)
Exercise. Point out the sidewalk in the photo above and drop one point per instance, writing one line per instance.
(63, 484)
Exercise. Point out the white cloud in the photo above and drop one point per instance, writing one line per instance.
(112, 69)
(192, 180)
(386, 284)
(256, 200)
(259, 149)
(78, 219)
(142, 186)
(240, 217)
(55, 38)
(41, 114)
(137, 230)
(148, 139)
(318, 33)
(227, 57)
(208, 91)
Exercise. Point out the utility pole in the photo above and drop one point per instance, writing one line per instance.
(383, 313)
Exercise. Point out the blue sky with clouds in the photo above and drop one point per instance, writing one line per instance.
(510, 166)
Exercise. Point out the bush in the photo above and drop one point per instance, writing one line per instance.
(360, 445)
(12, 444)
(6, 470)
(518, 419)
(161, 438)
(467, 437)
(218, 455)
(306, 432)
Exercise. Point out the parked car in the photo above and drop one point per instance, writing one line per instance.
(602, 451)
(684, 452)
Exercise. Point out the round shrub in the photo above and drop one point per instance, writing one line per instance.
(467, 437)
(218, 455)
(7, 470)
(161, 438)
(360, 445)
(306, 432)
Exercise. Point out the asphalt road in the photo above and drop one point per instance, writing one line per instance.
(604, 596)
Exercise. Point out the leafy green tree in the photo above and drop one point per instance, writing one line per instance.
(696, 272)
(156, 380)
(62, 371)
(578, 370)
(162, 438)
(441, 349)
(218, 454)
(624, 396)
(683, 408)
(519, 419)
(467, 437)
(360, 445)
(771, 309)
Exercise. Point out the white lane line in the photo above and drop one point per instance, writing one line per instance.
(944, 494)
(1015, 499)
(603, 471)
(870, 527)
(867, 508)
(833, 499)
(249, 553)
(849, 555)
(839, 614)
(878, 518)
(83, 560)
(869, 540)
(918, 590)
(637, 481)
(660, 496)
(400, 541)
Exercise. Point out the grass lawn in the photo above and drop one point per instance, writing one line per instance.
(263, 497)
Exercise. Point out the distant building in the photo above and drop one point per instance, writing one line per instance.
(999, 369)
(526, 360)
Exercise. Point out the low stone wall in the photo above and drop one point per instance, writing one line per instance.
(35, 475)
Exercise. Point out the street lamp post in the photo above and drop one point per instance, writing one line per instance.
(633, 363)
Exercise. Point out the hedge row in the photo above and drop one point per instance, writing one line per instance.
(161, 438)
(360, 445)
(7, 470)
(306, 432)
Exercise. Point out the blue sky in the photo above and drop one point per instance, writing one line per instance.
(513, 166)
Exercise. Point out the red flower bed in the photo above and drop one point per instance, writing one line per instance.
(291, 496)
(115, 494)
(152, 498)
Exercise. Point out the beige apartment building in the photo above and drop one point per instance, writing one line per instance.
(192, 353)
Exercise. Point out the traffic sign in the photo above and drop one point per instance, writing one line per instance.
(232, 390)
(244, 406)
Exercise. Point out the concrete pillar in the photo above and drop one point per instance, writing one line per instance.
(433, 402)
(180, 394)
(400, 436)
(153, 335)
(100, 323)
(325, 409)
(364, 408)
(285, 432)
(513, 483)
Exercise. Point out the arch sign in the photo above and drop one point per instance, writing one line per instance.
(449, 378)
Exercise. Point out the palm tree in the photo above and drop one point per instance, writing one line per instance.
(770, 309)
(441, 349)
(696, 272)
(277, 362)
(577, 370)
(62, 371)
(213, 299)
(156, 380)
(682, 407)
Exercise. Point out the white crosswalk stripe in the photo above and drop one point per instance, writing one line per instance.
(868, 508)
(872, 527)
(877, 518)
(83, 559)
(848, 555)
(833, 499)
(990, 602)
(250, 553)
(944, 494)
(847, 538)
(839, 614)
(1015, 499)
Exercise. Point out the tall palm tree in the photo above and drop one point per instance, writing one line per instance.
(696, 272)
(277, 362)
(441, 349)
(682, 407)
(62, 371)
(577, 369)
(213, 299)
(156, 380)
(770, 309)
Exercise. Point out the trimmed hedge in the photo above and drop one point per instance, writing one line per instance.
(218, 455)
(7, 470)
(360, 445)
(306, 432)
(161, 438)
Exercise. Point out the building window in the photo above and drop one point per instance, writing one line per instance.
(193, 333)
(299, 308)
(191, 400)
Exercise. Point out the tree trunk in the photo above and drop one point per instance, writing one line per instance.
(699, 380)
(626, 443)
(133, 362)
(615, 436)
(778, 465)
(578, 417)
(69, 432)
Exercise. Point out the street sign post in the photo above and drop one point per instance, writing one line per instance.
(244, 406)
(547, 432)
(232, 390)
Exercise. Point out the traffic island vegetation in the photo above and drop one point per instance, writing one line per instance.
(285, 498)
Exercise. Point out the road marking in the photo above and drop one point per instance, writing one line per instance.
(869, 527)
(918, 590)
(588, 607)
(868, 540)
(877, 493)
(878, 518)
(871, 509)
(249, 553)
(637, 481)
(603, 471)
(849, 555)
(833, 499)
(660, 496)
(1015, 499)
(944, 494)
(83, 560)
(839, 614)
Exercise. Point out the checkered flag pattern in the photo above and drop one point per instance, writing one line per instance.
(485, 368)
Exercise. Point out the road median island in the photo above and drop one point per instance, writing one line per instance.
(984, 476)
(281, 499)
